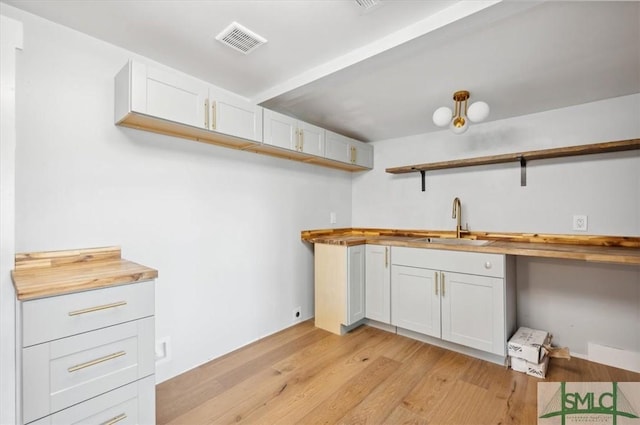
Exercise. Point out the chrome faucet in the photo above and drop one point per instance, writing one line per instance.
(457, 214)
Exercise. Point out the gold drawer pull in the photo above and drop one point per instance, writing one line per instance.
(97, 308)
(115, 419)
(97, 361)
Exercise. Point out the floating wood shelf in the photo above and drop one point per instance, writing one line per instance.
(522, 157)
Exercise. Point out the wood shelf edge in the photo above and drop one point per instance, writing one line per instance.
(589, 149)
(169, 128)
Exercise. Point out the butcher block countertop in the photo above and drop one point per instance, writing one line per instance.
(594, 248)
(44, 274)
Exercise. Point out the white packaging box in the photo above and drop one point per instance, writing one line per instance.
(539, 370)
(527, 343)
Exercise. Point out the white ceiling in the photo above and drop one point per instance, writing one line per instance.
(381, 73)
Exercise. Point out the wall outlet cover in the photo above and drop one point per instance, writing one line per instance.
(580, 223)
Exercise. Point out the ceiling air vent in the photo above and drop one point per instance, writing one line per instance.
(367, 4)
(240, 38)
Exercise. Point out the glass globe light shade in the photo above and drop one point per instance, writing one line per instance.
(459, 125)
(478, 111)
(442, 116)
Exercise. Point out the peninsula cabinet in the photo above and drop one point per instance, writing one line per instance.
(339, 286)
(464, 298)
(289, 133)
(378, 283)
(344, 149)
(178, 98)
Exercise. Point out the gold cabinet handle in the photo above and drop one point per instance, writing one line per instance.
(214, 118)
(435, 282)
(442, 283)
(206, 114)
(301, 140)
(97, 308)
(386, 257)
(115, 419)
(96, 361)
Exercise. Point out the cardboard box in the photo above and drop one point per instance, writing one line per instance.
(526, 344)
(539, 370)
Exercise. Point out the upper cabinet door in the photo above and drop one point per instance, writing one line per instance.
(311, 139)
(234, 115)
(169, 95)
(280, 130)
(337, 147)
(362, 154)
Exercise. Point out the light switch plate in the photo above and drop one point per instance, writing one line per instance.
(332, 218)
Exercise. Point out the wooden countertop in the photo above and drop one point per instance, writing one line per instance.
(595, 248)
(44, 274)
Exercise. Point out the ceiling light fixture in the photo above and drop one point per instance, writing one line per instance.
(458, 120)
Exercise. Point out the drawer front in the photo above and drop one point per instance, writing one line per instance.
(132, 404)
(478, 263)
(61, 373)
(57, 317)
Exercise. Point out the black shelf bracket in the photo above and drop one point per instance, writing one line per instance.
(423, 185)
(523, 171)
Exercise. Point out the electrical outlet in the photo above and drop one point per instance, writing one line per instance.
(297, 314)
(580, 223)
(332, 218)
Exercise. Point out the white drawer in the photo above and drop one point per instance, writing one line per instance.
(478, 263)
(57, 317)
(67, 371)
(132, 404)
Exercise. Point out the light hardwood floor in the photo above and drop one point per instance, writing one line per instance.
(304, 375)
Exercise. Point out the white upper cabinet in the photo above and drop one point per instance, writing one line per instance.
(233, 115)
(289, 133)
(154, 98)
(165, 94)
(159, 93)
(280, 130)
(311, 138)
(351, 151)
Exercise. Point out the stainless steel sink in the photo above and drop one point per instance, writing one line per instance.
(449, 241)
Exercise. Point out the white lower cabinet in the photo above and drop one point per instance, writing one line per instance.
(378, 283)
(131, 404)
(88, 357)
(415, 300)
(462, 297)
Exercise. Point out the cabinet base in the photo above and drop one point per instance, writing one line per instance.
(482, 355)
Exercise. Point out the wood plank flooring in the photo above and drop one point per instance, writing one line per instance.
(304, 375)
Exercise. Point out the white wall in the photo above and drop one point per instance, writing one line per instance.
(578, 302)
(10, 40)
(221, 226)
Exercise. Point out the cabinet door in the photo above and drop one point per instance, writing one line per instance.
(311, 139)
(337, 147)
(473, 311)
(280, 130)
(355, 284)
(363, 154)
(169, 95)
(415, 303)
(234, 116)
(378, 283)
